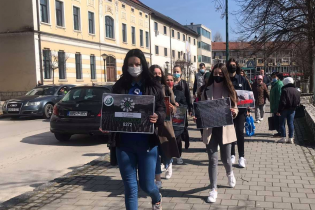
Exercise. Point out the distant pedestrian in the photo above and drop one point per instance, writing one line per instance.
(220, 86)
(199, 79)
(243, 74)
(266, 78)
(261, 94)
(178, 82)
(289, 101)
(275, 94)
(137, 153)
(39, 83)
(239, 83)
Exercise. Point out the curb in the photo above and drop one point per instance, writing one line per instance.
(45, 187)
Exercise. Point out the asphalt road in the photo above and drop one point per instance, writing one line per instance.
(30, 155)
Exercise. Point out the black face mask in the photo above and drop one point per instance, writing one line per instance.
(218, 79)
(232, 69)
(158, 79)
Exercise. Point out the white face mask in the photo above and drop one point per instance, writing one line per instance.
(135, 71)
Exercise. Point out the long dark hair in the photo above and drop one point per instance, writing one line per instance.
(238, 68)
(126, 79)
(227, 81)
(162, 73)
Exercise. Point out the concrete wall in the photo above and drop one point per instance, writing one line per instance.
(16, 15)
(17, 59)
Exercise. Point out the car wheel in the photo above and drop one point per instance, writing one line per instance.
(62, 136)
(48, 110)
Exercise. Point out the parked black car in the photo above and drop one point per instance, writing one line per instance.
(37, 102)
(79, 112)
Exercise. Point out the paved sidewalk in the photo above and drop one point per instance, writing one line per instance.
(277, 176)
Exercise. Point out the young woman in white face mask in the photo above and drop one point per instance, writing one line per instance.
(139, 151)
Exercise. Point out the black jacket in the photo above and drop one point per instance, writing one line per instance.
(181, 100)
(152, 89)
(183, 84)
(290, 98)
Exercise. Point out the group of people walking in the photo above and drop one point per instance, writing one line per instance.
(139, 156)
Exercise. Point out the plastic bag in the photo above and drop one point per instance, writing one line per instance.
(250, 126)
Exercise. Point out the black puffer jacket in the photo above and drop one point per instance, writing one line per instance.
(290, 98)
(154, 89)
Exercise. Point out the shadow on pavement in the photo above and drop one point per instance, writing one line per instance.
(4, 118)
(48, 138)
(94, 154)
(260, 140)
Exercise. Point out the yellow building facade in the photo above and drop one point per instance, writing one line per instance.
(76, 33)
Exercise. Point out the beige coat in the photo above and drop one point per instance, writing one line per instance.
(228, 132)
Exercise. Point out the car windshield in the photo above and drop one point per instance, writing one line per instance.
(80, 95)
(42, 91)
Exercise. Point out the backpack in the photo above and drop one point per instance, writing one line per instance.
(250, 126)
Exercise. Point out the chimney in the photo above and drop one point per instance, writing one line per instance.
(192, 24)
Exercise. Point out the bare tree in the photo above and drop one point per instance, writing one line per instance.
(55, 62)
(279, 25)
(217, 37)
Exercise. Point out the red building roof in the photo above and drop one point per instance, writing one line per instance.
(220, 46)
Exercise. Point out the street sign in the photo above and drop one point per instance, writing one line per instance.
(251, 64)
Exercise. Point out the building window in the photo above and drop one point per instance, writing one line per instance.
(132, 10)
(178, 55)
(62, 65)
(93, 67)
(140, 13)
(204, 32)
(194, 41)
(156, 50)
(205, 59)
(204, 46)
(184, 37)
(76, 18)
(189, 39)
(123, 6)
(146, 16)
(78, 65)
(195, 59)
(199, 58)
(173, 33)
(147, 39)
(109, 25)
(141, 38)
(173, 53)
(59, 13)
(47, 63)
(124, 32)
(178, 35)
(184, 56)
(165, 30)
(44, 11)
(91, 23)
(165, 51)
(133, 35)
(156, 26)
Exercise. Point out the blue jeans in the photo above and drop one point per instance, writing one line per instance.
(165, 160)
(133, 154)
(289, 115)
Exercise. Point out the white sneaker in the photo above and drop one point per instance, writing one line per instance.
(290, 141)
(257, 121)
(213, 194)
(163, 167)
(261, 119)
(282, 140)
(159, 184)
(157, 206)
(241, 162)
(233, 159)
(180, 161)
(169, 172)
(232, 180)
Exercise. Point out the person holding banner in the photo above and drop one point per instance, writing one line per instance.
(180, 101)
(184, 87)
(239, 83)
(220, 86)
(135, 150)
(167, 147)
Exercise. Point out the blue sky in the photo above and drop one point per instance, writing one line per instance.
(196, 11)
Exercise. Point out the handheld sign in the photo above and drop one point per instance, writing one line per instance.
(179, 118)
(213, 113)
(245, 99)
(127, 113)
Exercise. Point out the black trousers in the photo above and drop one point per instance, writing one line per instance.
(239, 124)
(179, 144)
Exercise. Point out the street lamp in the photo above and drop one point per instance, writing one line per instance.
(167, 63)
(104, 56)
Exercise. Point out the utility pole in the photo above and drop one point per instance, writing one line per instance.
(227, 29)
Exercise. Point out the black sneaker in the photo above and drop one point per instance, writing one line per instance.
(277, 135)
